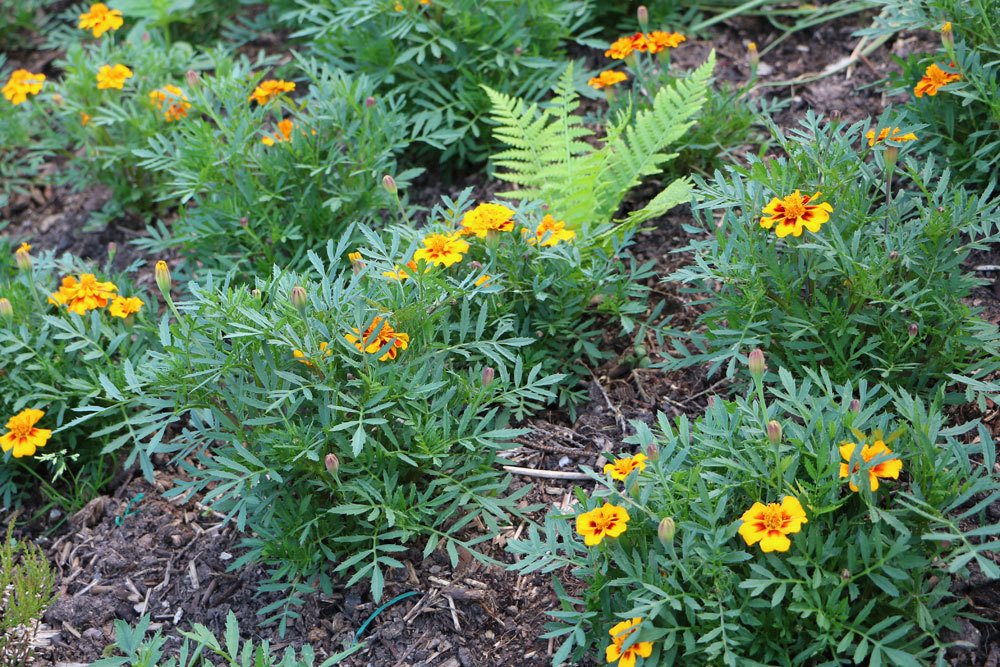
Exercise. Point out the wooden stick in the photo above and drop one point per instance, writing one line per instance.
(546, 474)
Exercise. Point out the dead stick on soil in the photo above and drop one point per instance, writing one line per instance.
(454, 613)
(546, 474)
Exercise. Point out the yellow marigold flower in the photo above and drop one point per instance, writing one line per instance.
(550, 232)
(934, 78)
(482, 280)
(21, 84)
(621, 48)
(174, 99)
(622, 468)
(398, 7)
(378, 335)
(22, 436)
(625, 657)
(268, 90)
(100, 19)
(487, 218)
(889, 468)
(399, 273)
(607, 78)
(125, 306)
(793, 213)
(441, 249)
(83, 295)
(84, 118)
(112, 76)
(884, 134)
(300, 356)
(946, 27)
(661, 41)
(606, 521)
(772, 523)
(284, 133)
(24, 247)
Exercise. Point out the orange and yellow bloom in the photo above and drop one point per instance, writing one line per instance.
(399, 273)
(616, 651)
(771, 524)
(890, 467)
(175, 101)
(606, 521)
(300, 356)
(442, 249)
(607, 78)
(100, 18)
(283, 134)
(550, 232)
(892, 134)
(659, 40)
(22, 436)
(378, 335)
(487, 218)
(125, 306)
(83, 295)
(112, 76)
(795, 212)
(21, 84)
(934, 78)
(620, 469)
(270, 89)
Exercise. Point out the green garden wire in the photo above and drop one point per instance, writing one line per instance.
(398, 598)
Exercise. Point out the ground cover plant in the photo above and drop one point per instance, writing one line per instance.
(499, 333)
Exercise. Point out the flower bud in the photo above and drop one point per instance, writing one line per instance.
(518, 51)
(162, 275)
(752, 55)
(112, 251)
(643, 15)
(299, 297)
(23, 259)
(913, 329)
(192, 78)
(6, 310)
(255, 293)
(893, 256)
(653, 452)
(666, 530)
(369, 101)
(488, 375)
(389, 183)
(332, 463)
(755, 362)
(356, 262)
(854, 405)
(889, 156)
(947, 36)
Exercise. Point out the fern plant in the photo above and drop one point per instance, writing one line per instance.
(551, 156)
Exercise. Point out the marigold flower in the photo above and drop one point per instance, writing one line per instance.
(622, 468)
(487, 218)
(621, 48)
(174, 99)
(112, 76)
(399, 273)
(21, 84)
(300, 356)
(550, 232)
(84, 118)
(268, 90)
(606, 521)
(934, 78)
(22, 436)
(891, 135)
(625, 657)
(659, 40)
(482, 280)
(441, 249)
(607, 78)
(771, 524)
(125, 306)
(890, 467)
(83, 295)
(793, 213)
(379, 334)
(284, 133)
(101, 19)
(24, 247)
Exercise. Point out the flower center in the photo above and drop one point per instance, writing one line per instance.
(21, 430)
(773, 518)
(602, 523)
(794, 207)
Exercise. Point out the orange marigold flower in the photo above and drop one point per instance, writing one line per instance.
(441, 249)
(112, 76)
(100, 19)
(378, 335)
(268, 90)
(300, 356)
(550, 232)
(399, 273)
(606, 521)
(890, 467)
(625, 657)
(772, 523)
(934, 78)
(620, 469)
(793, 213)
(487, 218)
(621, 48)
(284, 133)
(659, 40)
(607, 78)
(21, 84)
(891, 135)
(84, 118)
(83, 295)
(24, 247)
(174, 99)
(22, 436)
(124, 307)
(482, 280)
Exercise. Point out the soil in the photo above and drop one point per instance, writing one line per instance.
(174, 560)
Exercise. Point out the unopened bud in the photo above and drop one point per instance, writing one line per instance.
(518, 50)
(332, 463)
(773, 432)
(889, 155)
(255, 293)
(193, 78)
(947, 36)
(356, 262)
(488, 375)
(643, 15)
(753, 55)
(145, 37)
(653, 452)
(23, 259)
(666, 530)
(389, 183)
(112, 251)
(299, 297)
(755, 362)
(475, 265)
(162, 275)
(6, 310)
(893, 256)
(854, 405)
(913, 329)
(369, 101)
(244, 222)
(710, 401)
